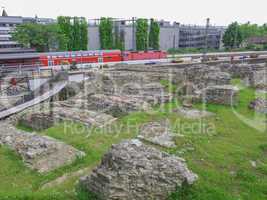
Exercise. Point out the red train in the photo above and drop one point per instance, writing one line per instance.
(61, 58)
(58, 58)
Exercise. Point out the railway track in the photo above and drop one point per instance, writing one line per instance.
(219, 54)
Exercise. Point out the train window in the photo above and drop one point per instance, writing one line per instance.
(50, 63)
(79, 55)
(100, 59)
(67, 56)
(73, 55)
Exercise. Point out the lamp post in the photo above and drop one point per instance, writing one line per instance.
(206, 40)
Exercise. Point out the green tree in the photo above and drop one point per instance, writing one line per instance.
(142, 34)
(264, 28)
(55, 39)
(75, 30)
(249, 30)
(233, 36)
(41, 37)
(84, 34)
(66, 29)
(106, 33)
(76, 34)
(154, 35)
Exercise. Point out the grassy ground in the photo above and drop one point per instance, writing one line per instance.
(220, 150)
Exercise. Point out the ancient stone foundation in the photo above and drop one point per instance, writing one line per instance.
(36, 121)
(116, 105)
(134, 171)
(48, 114)
(224, 94)
(40, 153)
(158, 133)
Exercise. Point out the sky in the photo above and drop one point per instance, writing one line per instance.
(221, 12)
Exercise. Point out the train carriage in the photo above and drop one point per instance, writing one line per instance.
(144, 55)
(79, 57)
(59, 58)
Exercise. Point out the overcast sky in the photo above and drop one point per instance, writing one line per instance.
(221, 12)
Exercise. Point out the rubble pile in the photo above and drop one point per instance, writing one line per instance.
(134, 171)
(119, 93)
(193, 113)
(37, 121)
(217, 78)
(125, 77)
(240, 70)
(40, 153)
(116, 105)
(89, 118)
(258, 77)
(138, 85)
(71, 90)
(259, 105)
(202, 76)
(223, 94)
(255, 74)
(47, 116)
(225, 67)
(158, 133)
(152, 93)
(197, 72)
(113, 82)
(153, 73)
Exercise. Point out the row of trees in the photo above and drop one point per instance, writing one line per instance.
(145, 38)
(108, 38)
(67, 34)
(72, 34)
(75, 31)
(154, 34)
(106, 33)
(141, 34)
(236, 33)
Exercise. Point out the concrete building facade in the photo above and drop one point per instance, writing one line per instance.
(124, 29)
(93, 37)
(7, 26)
(171, 35)
(128, 31)
(195, 36)
(38, 20)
